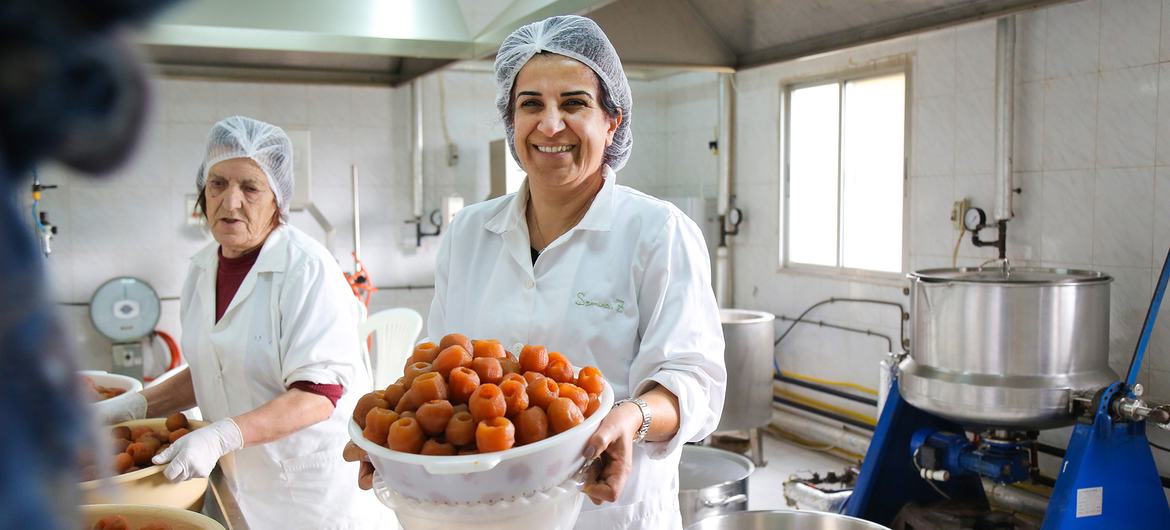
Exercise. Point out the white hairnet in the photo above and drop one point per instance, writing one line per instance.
(581, 39)
(264, 143)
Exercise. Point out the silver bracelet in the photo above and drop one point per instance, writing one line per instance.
(646, 416)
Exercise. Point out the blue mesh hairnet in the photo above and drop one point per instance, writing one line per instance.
(264, 143)
(581, 39)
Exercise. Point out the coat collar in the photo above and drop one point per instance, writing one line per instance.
(599, 217)
(273, 254)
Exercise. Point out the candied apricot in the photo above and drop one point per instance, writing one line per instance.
(461, 429)
(559, 371)
(151, 440)
(542, 392)
(451, 358)
(424, 352)
(487, 348)
(590, 380)
(593, 405)
(461, 383)
(433, 416)
(487, 402)
(141, 453)
(558, 356)
(533, 358)
(488, 369)
(378, 422)
(176, 434)
(511, 366)
(531, 425)
(120, 445)
(426, 387)
(112, 522)
(122, 462)
(393, 393)
(177, 421)
(407, 414)
(512, 376)
(456, 339)
(563, 415)
(406, 436)
(531, 376)
(367, 402)
(437, 448)
(137, 432)
(515, 397)
(495, 434)
(414, 370)
(579, 396)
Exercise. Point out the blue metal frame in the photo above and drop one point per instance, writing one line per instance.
(1109, 463)
(888, 479)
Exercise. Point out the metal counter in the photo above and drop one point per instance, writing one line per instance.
(229, 510)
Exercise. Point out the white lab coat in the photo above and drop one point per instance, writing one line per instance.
(293, 319)
(627, 290)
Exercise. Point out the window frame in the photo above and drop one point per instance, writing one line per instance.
(900, 65)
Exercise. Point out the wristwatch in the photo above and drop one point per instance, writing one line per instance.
(646, 416)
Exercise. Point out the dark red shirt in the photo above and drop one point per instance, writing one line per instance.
(228, 278)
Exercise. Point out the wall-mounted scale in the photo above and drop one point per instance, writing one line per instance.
(125, 310)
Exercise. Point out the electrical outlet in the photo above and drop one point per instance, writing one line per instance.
(958, 208)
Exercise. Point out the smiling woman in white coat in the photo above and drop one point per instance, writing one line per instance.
(574, 261)
(270, 334)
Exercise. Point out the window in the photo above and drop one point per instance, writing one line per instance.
(845, 168)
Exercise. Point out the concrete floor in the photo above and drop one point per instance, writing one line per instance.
(766, 485)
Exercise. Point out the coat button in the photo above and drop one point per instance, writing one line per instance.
(528, 284)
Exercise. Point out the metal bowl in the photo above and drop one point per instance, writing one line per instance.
(784, 520)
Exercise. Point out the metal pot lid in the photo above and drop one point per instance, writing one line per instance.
(1014, 276)
(704, 467)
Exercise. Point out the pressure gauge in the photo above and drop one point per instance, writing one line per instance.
(974, 219)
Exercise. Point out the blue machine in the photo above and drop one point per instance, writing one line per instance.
(1108, 479)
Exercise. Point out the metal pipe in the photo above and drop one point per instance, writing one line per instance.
(416, 149)
(357, 223)
(818, 431)
(1015, 499)
(825, 389)
(830, 415)
(1004, 98)
(810, 498)
(722, 272)
(889, 341)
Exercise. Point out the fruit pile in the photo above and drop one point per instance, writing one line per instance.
(471, 396)
(135, 447)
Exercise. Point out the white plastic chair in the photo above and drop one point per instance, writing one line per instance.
(394, 332)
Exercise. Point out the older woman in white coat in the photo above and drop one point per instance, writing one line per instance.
(270, 334)
(609, 276)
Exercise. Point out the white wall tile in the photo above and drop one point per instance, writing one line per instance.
(184, 148)
(244, 99)
(1165, 37)
(1125, 119)
(1026, 229)
(930, 211)
(371, 106)
(1124, 202)
(975, 56)
(1130, 33)
(975, 132)
(188, 101)
(1161, 216)
(1031, 36)
(285, 105)
(1028, 126)
(1070, 122)
(1073, 31)
(331, 105)
(1067, 211)
(1129, 295)
(933, 138)
(1163, 122)
(934, 64)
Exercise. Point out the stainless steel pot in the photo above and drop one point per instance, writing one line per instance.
(1005, 349)
(748, 357)
(711, 482)
(784, 520)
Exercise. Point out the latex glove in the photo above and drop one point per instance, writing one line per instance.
(194, 455)
(132, 407)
